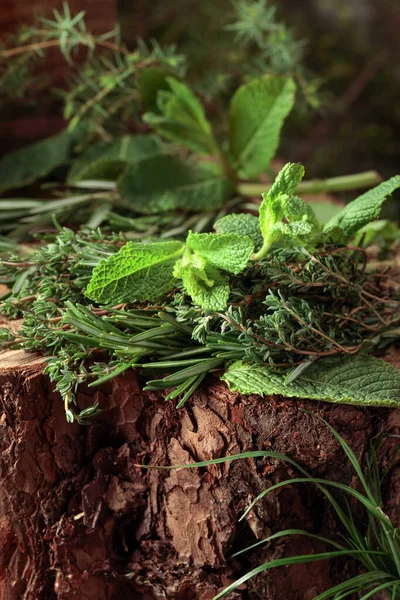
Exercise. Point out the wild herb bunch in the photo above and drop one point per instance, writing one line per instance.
(273, 304)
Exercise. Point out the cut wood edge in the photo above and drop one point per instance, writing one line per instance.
(19, 359)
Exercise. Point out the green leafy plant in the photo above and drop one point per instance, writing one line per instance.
(120, 278)
(257, 303)
(104, 85)
(183, 162)
(373, 541)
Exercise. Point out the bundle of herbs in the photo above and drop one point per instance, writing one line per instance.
(275, 304)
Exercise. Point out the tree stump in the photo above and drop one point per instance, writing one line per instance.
(78, 519)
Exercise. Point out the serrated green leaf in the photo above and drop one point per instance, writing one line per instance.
(206, 286)
(33, 162)
(271, 213)
(361, 379)
(138, 272)
(228, 251)
(287, 180)
(287, 232)
(243, 224)
(181, 119)
(365, 208)
(258, 110)
(278, 203)
(296, 210)
(164, 182)
(107, 160)
(272, 209)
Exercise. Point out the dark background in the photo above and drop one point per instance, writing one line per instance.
(353, 47)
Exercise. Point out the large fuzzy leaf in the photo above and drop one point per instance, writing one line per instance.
(365, 208)
(33, 162)
(361, 379)
(228, 251)
(181, 119)
(165, 182)
(108, 159)
(257, 113)
(138, 272)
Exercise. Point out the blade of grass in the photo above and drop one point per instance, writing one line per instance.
(289, 532)
(381, 587)
(281, 562)
(349, 453)
(341, 486)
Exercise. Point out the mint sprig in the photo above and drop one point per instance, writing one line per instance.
(202, 265)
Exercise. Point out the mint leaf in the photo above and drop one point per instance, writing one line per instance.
(228, 251)
(243, 224)
(295, 209)
(360, 379)
(108, 159)
(288, 232)
(24, 166)
(287, 180)
(182, 119)
(271, 213)
(138, 272)
(279, 202)
(365, 208)
(204, 283)
(163, 183)
(258, 110)
(279, 197)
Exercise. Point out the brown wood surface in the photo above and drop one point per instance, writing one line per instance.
(78, 519)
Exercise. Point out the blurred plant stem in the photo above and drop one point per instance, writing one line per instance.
(316, 186)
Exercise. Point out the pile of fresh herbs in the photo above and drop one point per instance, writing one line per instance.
(275, 305)
(275, 301)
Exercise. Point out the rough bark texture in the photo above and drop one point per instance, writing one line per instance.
(78, 519)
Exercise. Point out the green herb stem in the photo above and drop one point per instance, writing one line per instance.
(343, 183)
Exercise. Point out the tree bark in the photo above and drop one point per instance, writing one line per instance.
(78, 519)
